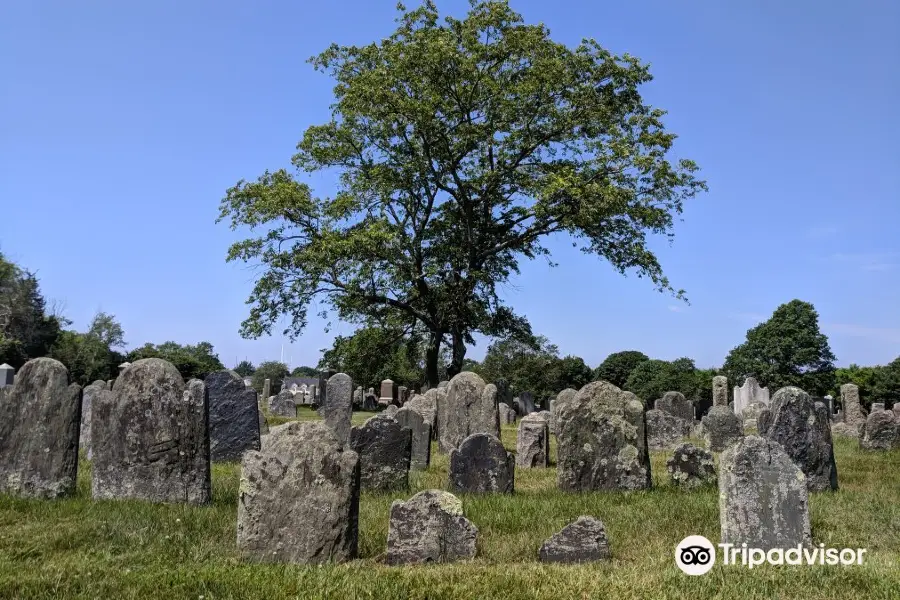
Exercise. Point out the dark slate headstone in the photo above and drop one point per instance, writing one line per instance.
(429, 528)
(384, 449)
(299, 497)
(804, 431)
(282, 404)
(881, 431)
(690, 467)
(337, 408)
(763, 499)
(421, 437)
(721, 428)
(583, 540)
(150, 438)
(526, 404)
(233, 416)
(39, 426)
(481, 465)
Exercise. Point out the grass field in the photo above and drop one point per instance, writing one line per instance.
(78, 548)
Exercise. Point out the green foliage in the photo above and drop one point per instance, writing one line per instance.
(617, 367)
(272, 370)
(788, 349)
(653, 378)
(304, 372)
(886, 384)
(462, 146)
(192, 361)
(91, 356)
(245, 368)
(373, 354)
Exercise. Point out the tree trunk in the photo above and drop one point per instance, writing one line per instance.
(458, 355)
(431, 359)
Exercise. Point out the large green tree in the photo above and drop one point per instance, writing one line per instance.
(462, 145)
(94, 354)
(245, 368)
(191, 360)
(653, 378)
(375, 353)
(788, 349)
(617, 367)
(272, 370)
(886, 384)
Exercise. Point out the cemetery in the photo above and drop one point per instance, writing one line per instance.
(442, 446)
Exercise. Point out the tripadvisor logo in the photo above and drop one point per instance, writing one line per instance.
(696, 555)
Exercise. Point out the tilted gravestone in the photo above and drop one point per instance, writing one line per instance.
(482, 465)
(298, 501)
(601, 440)
(583, 540)
(803, 429)
(721, 428)
(690, 467)
(420, 450)
(150, 438)
(763, 500)
(39, 428)
(881, 432)
(282, 404)
(471, 408)
(533, 442)
(429, 528)
(384, 449)
(233, 416)
(337, 408)
(720, 390)
(87, 401)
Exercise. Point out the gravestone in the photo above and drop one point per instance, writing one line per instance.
(481, 465)
(896, 409)
(263, 424)
(506, 414)
(384, 449)
(282, 404)
(471, 407)
(583, 540)
(370, 400)
(720, 390)
(853, 412)
(664, 430)
(426, 406)
(298, 500)
(267, 390)
(233, 416)
(533, 442)
(87, 401)
(763, 500)
(388, 392)
(123, 366)
(803, 429)
(880, 432)
(7, 375)
(429, 528)
(601, 440)
(691, 467)
(39, 427)
(402, 394)
(564, 396)
(337, 408)
(749, 392)
(721, 428)
(420, 450)
(877, 406)
(150, 438)
(443, 384)
(358, 397)
(526, 403)
(763, 422)
(391, 410)
(750, 416)
(675, 404)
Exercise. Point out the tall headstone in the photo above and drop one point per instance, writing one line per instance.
(420, 450)
(720, 390)
(233, 416)
(748, 393)
(533, 442)
(471, 408)
(443, 412)
(7, 375)
(481, 465)
(149, 437)
(402, 394)
(426, 406)
(87, 400)
(429, 528)
(267, 390)
(601, 440)
(39, 426)
(854, 418)
(526, 403)
(298, 500)
(384, 449)
(338, 406)
(763, 500)
(388, 392)
(358, 397)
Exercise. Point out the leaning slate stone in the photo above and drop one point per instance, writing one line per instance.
(803, 429)
(298, 500)
(384, 449)
(420, 456)
(881, 431)
(665, 430)
(676, 405)
(533, 442)
(471, 408)
(233, 416)
(601, 440)
(282, 404)
(429, 528)
(481, 465)
(87, 400)
(691, 467)
(583, 540)
(337, 407)
(150, 437)
(40, 417)
(763, 499)
(721, 428)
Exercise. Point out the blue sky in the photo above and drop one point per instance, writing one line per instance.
(123, 123)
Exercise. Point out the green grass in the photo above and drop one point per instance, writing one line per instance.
(78, 548)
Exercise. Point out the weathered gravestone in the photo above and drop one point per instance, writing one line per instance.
(675, 404)
(384, 449)
(750, 417)
(7, 375)
(748, 393)
(880, 432)
(443, 384)
(39, 427)
(665, 430)
(391, 410)
(481, 465)
(876, 407)
(420, 450)
(358, 397)
(763, 501)
(691, 467)
(601, 440)
(426, 406)
(402, 395)
(720, 390)
(583, 540)
(533, 442)
(763, 422)
(526, 404)
(337, 408)
(282, 404)
(721, 428)
(298, 500)
(429, 528)
(854, 417)
(506, 414)
(803, 429)
(388, 392)
(233, 416)
(564, 396)
(267, 390)
(370, 400)
(471, 407)
(150, 437)
(263, 424)
(87, 401)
